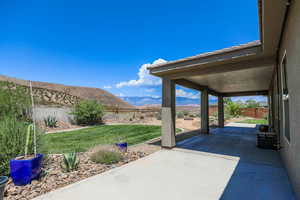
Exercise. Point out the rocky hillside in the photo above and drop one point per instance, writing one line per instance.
(68, 95)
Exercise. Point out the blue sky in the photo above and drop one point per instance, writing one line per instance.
(108, 44)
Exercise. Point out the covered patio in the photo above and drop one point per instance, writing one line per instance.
(237, 71)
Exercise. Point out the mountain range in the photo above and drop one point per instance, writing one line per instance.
(180, 101)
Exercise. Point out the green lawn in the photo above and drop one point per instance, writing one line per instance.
(82, 140)
(254, 121)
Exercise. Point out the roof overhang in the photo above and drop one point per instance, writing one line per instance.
(243, 69)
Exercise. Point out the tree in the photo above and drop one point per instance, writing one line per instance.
(233, 109)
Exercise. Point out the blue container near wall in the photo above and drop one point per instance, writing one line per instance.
(23, 172)
(122, 146)
(3, 181)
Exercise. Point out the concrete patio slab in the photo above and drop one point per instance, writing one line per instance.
(223, 165)
(163, 175)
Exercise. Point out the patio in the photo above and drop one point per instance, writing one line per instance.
(223, 165)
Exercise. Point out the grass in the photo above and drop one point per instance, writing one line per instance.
(106, 157)
(254, 121)
(82, 140)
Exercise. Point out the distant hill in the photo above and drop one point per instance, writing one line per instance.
(180, 101)
(100, 95)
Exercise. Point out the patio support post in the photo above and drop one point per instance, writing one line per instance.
(221, 111)
(270, 110)
(204, 112)
(168, 113)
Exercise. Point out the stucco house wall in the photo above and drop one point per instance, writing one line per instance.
(290, 45)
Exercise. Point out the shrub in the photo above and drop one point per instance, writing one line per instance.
(88, 112)
(233, 109)
(185, 112)
(106, 157)
(180, 115)
(70, 162)
(158, 115)
(50, 122)
(14, 100)
(12, 141)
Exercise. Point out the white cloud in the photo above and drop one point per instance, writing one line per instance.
(182, 93)
(145, 79)
(121, 95)
(107, 87)
(150, 90)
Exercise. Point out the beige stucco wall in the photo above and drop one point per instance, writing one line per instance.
(291, 45)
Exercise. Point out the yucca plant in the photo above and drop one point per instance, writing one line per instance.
(50, 122)
(70, 162)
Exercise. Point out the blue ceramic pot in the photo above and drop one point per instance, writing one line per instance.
(3, 181)
(122, 146)
(23, 172)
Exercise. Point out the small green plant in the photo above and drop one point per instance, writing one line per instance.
(185, 112)
(180, 115)
(70, 162)
(158, 115)
(50, 122)
(106, 157)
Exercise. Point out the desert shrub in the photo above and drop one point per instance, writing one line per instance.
(180, 115)
(50, 122)
(14, 100)
(12, 141)
(191, 115)
(106, 157)
(185, 112)
(88, 112)
(70, 162)
(158, 115)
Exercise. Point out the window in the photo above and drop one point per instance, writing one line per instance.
(285, 99)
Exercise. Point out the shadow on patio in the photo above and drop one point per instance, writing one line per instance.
(259, 173)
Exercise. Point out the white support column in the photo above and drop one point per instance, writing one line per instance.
(221, 111)
(168, 113)
(204, 112)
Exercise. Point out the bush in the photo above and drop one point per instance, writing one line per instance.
(50, 122)
(106, 157)
(88, 112)
(185, 112)
(14, 100)
(12, 141)
(158, 115)
(233, 109)
(180, 115)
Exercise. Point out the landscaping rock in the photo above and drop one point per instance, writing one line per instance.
(54, 177)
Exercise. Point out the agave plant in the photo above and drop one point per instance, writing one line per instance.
(70, 162)
(50, 122)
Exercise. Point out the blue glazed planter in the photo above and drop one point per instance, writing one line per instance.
(122, 146)
(23, 172)
(3, 181)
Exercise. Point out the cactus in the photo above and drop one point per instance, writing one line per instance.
(30, 131)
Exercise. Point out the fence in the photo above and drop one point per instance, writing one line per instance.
(60, 113)
(255, 112)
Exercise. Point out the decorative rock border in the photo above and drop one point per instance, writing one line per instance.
(53, 177)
